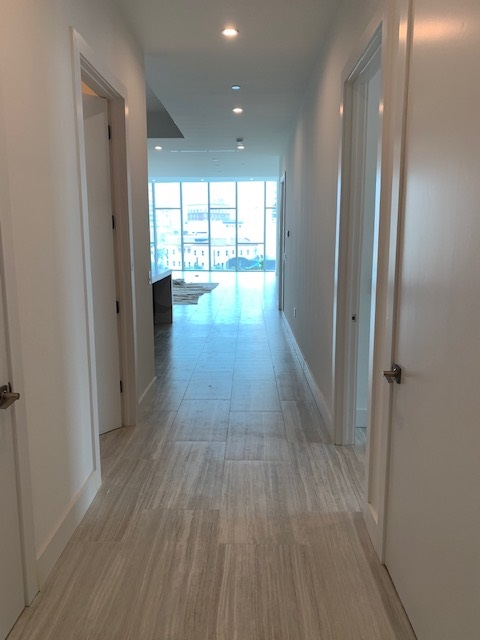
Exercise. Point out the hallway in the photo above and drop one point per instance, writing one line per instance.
(225, 514)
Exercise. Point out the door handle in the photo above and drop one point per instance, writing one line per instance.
(395, 375)
(7, 396)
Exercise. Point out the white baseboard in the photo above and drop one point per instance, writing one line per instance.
(145, 399)
(52, 550)
(320, 400)
(371, 522)
(317, 394)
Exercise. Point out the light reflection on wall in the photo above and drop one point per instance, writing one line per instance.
(439, 29)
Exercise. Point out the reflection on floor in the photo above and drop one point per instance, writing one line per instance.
(360, 443)
(226, 513)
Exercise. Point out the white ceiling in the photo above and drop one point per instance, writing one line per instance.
(191, 67)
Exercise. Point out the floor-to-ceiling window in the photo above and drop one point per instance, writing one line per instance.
(202, 226)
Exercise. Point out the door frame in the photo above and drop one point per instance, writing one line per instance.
(395, 25)
(89, 69)
(348, 237)
(281, 241)
(15, 366)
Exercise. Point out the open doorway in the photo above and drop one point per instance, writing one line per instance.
(358, 221)
(366, 104)
(281, 254)
(106, 109)
(103, 259)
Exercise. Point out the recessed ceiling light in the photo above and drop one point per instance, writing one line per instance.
(158, 147)
(241, 147)
(230, 32)
(236, 87)
(237, 110)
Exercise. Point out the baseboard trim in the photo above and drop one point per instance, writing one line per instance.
(53, 549)
(320, 400)
(317, 394)
(145, 399)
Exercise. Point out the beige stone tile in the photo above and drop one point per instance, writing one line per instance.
(259, 500)
(257, 436)
(207, 386)
(329, 477)
(189, 476)
(293, 386)
(255, 395)
(81, 598)
(303, 422)
(201, 421)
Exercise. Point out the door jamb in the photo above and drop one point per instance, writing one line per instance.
(281, 242)
(397, 61)
(88, 68)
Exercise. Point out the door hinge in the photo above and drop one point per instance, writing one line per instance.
(117, 304)
(113, 222)
(121, 386)
(109, 132)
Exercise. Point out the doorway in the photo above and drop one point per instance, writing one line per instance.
(358, 220)
(106, 305)
(91, 72)
(282, 255)
(366, 90)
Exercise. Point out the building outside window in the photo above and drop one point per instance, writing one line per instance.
(228, 219)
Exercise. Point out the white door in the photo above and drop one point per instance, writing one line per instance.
(12, 598)
(102, 256)
(433, 516)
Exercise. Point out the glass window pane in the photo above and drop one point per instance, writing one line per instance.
(195, 196)
(271, 194)
(167, 194)
(222, 194)
(195, 213)
(210, 235)
(169, 246)
(223, 228)
(271, 240)
(251, 212)
(250, 257)
(195, 257)
(223, 258)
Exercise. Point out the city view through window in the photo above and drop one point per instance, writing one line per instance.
(211, 226)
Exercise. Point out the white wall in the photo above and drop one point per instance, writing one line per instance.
(36, 76)
(311, 164)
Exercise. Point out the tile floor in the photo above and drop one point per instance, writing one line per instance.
(226, 513)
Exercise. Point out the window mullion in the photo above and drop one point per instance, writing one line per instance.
(236, 226)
